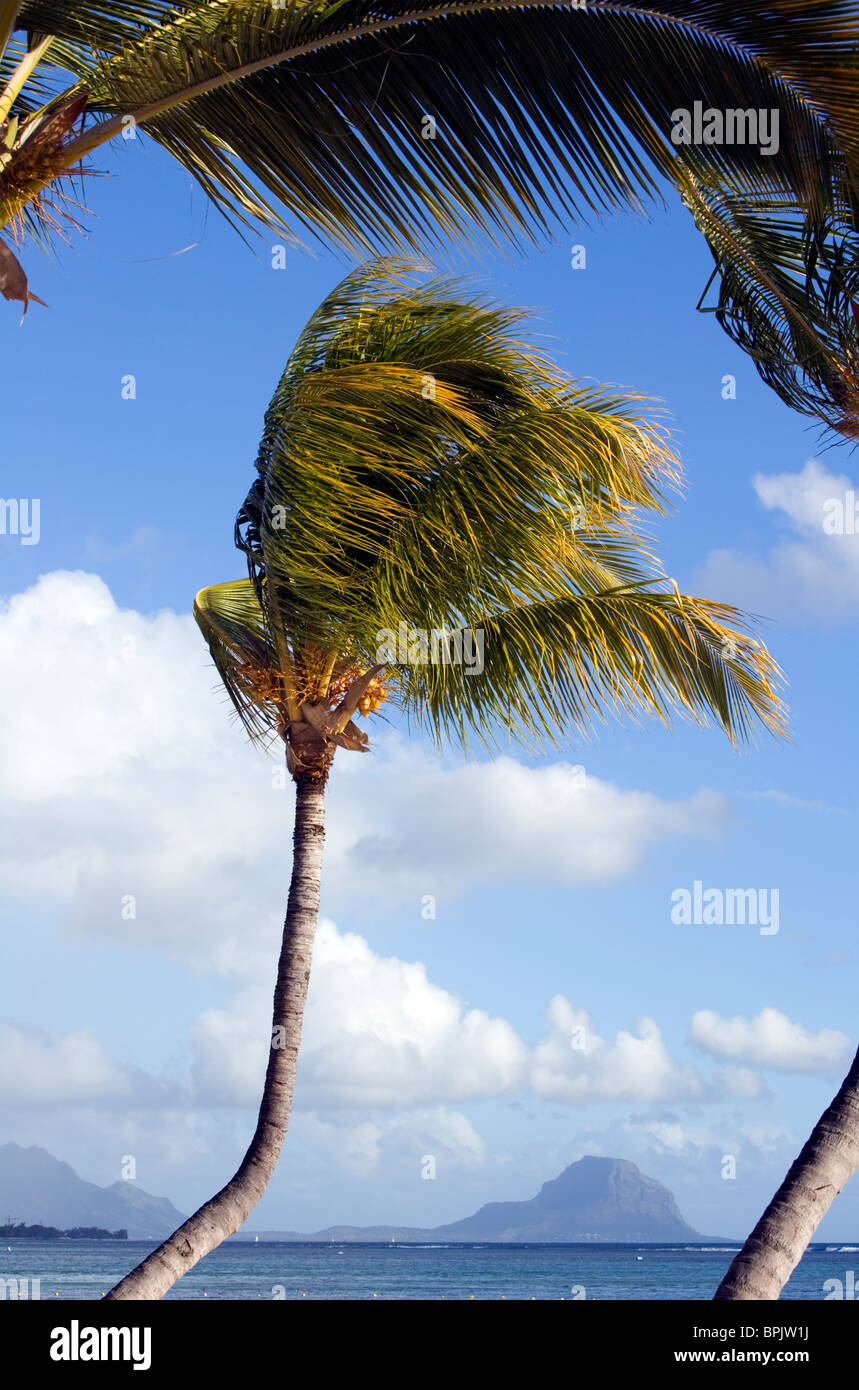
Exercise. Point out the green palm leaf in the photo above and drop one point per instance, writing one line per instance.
(232, 622)
(311, 117)
(505, 508)
(541, 110)
(570, 660)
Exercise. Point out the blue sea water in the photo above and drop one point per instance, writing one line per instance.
(71, 1269)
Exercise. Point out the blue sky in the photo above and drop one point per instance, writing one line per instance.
(123, 775)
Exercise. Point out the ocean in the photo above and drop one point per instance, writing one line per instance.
(73, 1270)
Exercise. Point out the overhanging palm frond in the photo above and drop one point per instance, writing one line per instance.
(81, 32)
(93, 26)
(318, 116)
(538, 110)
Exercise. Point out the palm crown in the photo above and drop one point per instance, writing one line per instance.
(423, 470)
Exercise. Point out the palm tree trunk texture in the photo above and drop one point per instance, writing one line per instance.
(829, 1159)
(227, 1211)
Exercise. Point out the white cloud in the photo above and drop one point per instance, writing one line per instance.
(39, 1069)
(42, 1071)
(809, 574)
(401, 1139)
(120, 773)
(442, 829)
(574, 1064)
(122, 776)
(771, 1040)
(673, 1136)
(742, 1082)
(377, 1033)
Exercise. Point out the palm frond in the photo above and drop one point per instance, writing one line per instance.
(84, 29)
(313, 116)
(509, 501)
(542, 111)
(571, 660)
(82, 33)
(788, 294)
(233, 625)
(418, 417)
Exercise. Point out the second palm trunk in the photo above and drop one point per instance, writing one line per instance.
(828, 1160)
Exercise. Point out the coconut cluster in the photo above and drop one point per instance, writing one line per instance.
(372, 697)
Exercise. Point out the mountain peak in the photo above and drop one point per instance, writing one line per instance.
(39, 1189)
(595, 1198)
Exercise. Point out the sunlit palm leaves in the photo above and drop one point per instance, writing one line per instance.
(423, 468)
(312, 116)
(539, 109)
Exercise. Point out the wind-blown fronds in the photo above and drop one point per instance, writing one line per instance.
(416, 416)
(569, 659)
(430, 485)
(374, 128)
(539, 110)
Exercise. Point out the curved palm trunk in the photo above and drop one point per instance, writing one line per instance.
(828, 1160)
(226, 1211)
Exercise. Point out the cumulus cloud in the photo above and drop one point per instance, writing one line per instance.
(810, 574)
(377, 1033)
(574, 1064)
(380, 1034)
(121, 776)
(770, 1040)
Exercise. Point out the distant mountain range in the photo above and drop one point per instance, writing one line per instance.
(595, 1199)
(37, 1188)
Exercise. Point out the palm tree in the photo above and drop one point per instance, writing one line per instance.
(421, 468)
(377, 126)
(828, 1160)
